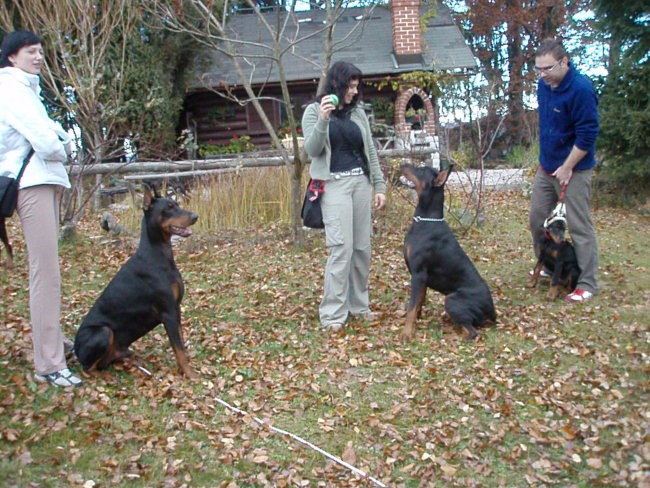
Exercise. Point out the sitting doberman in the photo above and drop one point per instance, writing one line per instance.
(145, 292)
(557, 254)
(435, 260)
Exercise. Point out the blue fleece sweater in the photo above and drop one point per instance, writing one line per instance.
(568, 116)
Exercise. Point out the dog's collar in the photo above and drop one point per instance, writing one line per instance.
(417, 218)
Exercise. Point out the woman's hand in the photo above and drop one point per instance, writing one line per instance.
(326, 107)
(380, 201)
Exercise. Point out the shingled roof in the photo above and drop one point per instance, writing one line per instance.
(370, 47)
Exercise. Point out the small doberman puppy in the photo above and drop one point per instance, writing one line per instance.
(435, 260)
(557, 254)
(145, 292)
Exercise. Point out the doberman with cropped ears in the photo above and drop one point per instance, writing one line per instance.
(145, 292)
(556, 254)
(435, 260)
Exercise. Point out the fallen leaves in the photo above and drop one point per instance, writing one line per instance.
(553, 395)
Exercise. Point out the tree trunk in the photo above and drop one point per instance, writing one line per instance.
(297, 195)
(515, 121)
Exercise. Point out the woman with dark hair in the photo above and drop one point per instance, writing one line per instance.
(339, 142)
(24, 124)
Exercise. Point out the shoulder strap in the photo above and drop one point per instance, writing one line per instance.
(25, 161)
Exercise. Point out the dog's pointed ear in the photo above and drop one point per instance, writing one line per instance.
(149, 195)
(442, 177)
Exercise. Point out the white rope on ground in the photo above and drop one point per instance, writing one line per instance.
(304, 442)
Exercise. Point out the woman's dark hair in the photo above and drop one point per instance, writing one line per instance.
(338, 78)
(14, 42)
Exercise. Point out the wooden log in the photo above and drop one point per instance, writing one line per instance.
(208, 164)
(182, 174)
(190, 165)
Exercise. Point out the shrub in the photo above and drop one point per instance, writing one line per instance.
(237, 144)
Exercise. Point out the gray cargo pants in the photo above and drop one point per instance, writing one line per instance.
(346, 206)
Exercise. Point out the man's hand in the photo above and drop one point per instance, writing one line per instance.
(563, 174)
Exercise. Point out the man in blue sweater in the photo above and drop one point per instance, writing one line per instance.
(568, 128)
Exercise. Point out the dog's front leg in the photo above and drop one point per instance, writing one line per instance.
(418, 293)
(556, 282)
(538, 269)
(5, 239)
(173, 328)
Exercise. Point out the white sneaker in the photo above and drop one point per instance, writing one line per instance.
(333, 326)
(368, 316)
(542, 274)
(579, 295)
(63, 378)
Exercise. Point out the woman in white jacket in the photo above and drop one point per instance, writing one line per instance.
(24, 123)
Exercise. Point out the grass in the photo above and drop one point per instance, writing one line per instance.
(555, 394)
(242, 199)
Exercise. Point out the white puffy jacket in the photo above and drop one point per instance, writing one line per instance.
(24, 121)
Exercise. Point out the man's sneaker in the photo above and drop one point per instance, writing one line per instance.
(63, 378)
(579, 295)
(542, 274)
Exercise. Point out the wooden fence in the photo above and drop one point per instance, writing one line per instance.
(152, 170)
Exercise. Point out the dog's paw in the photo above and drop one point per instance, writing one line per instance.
(190, 374)
(472, 333)
(407, 335)
(552, 294)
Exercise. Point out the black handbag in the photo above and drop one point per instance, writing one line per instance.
(311, 213)
(9, 189)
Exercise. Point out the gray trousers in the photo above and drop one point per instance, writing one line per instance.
(577, 198)
(346, 206)
(38, 209)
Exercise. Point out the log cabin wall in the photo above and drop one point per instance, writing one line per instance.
(216, 120)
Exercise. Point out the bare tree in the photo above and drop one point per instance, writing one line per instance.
(471, 101)
(86, 49)
(208, 23)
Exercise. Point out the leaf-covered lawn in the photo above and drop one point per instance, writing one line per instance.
(554, 395)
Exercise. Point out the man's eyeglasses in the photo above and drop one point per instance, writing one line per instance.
(546, 69)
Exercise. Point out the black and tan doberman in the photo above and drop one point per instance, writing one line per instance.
(145, 292)
(557, 255)
(435, 260)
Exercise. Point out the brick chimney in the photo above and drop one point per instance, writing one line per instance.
(407, 38)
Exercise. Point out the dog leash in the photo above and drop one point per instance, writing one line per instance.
(559, 212)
